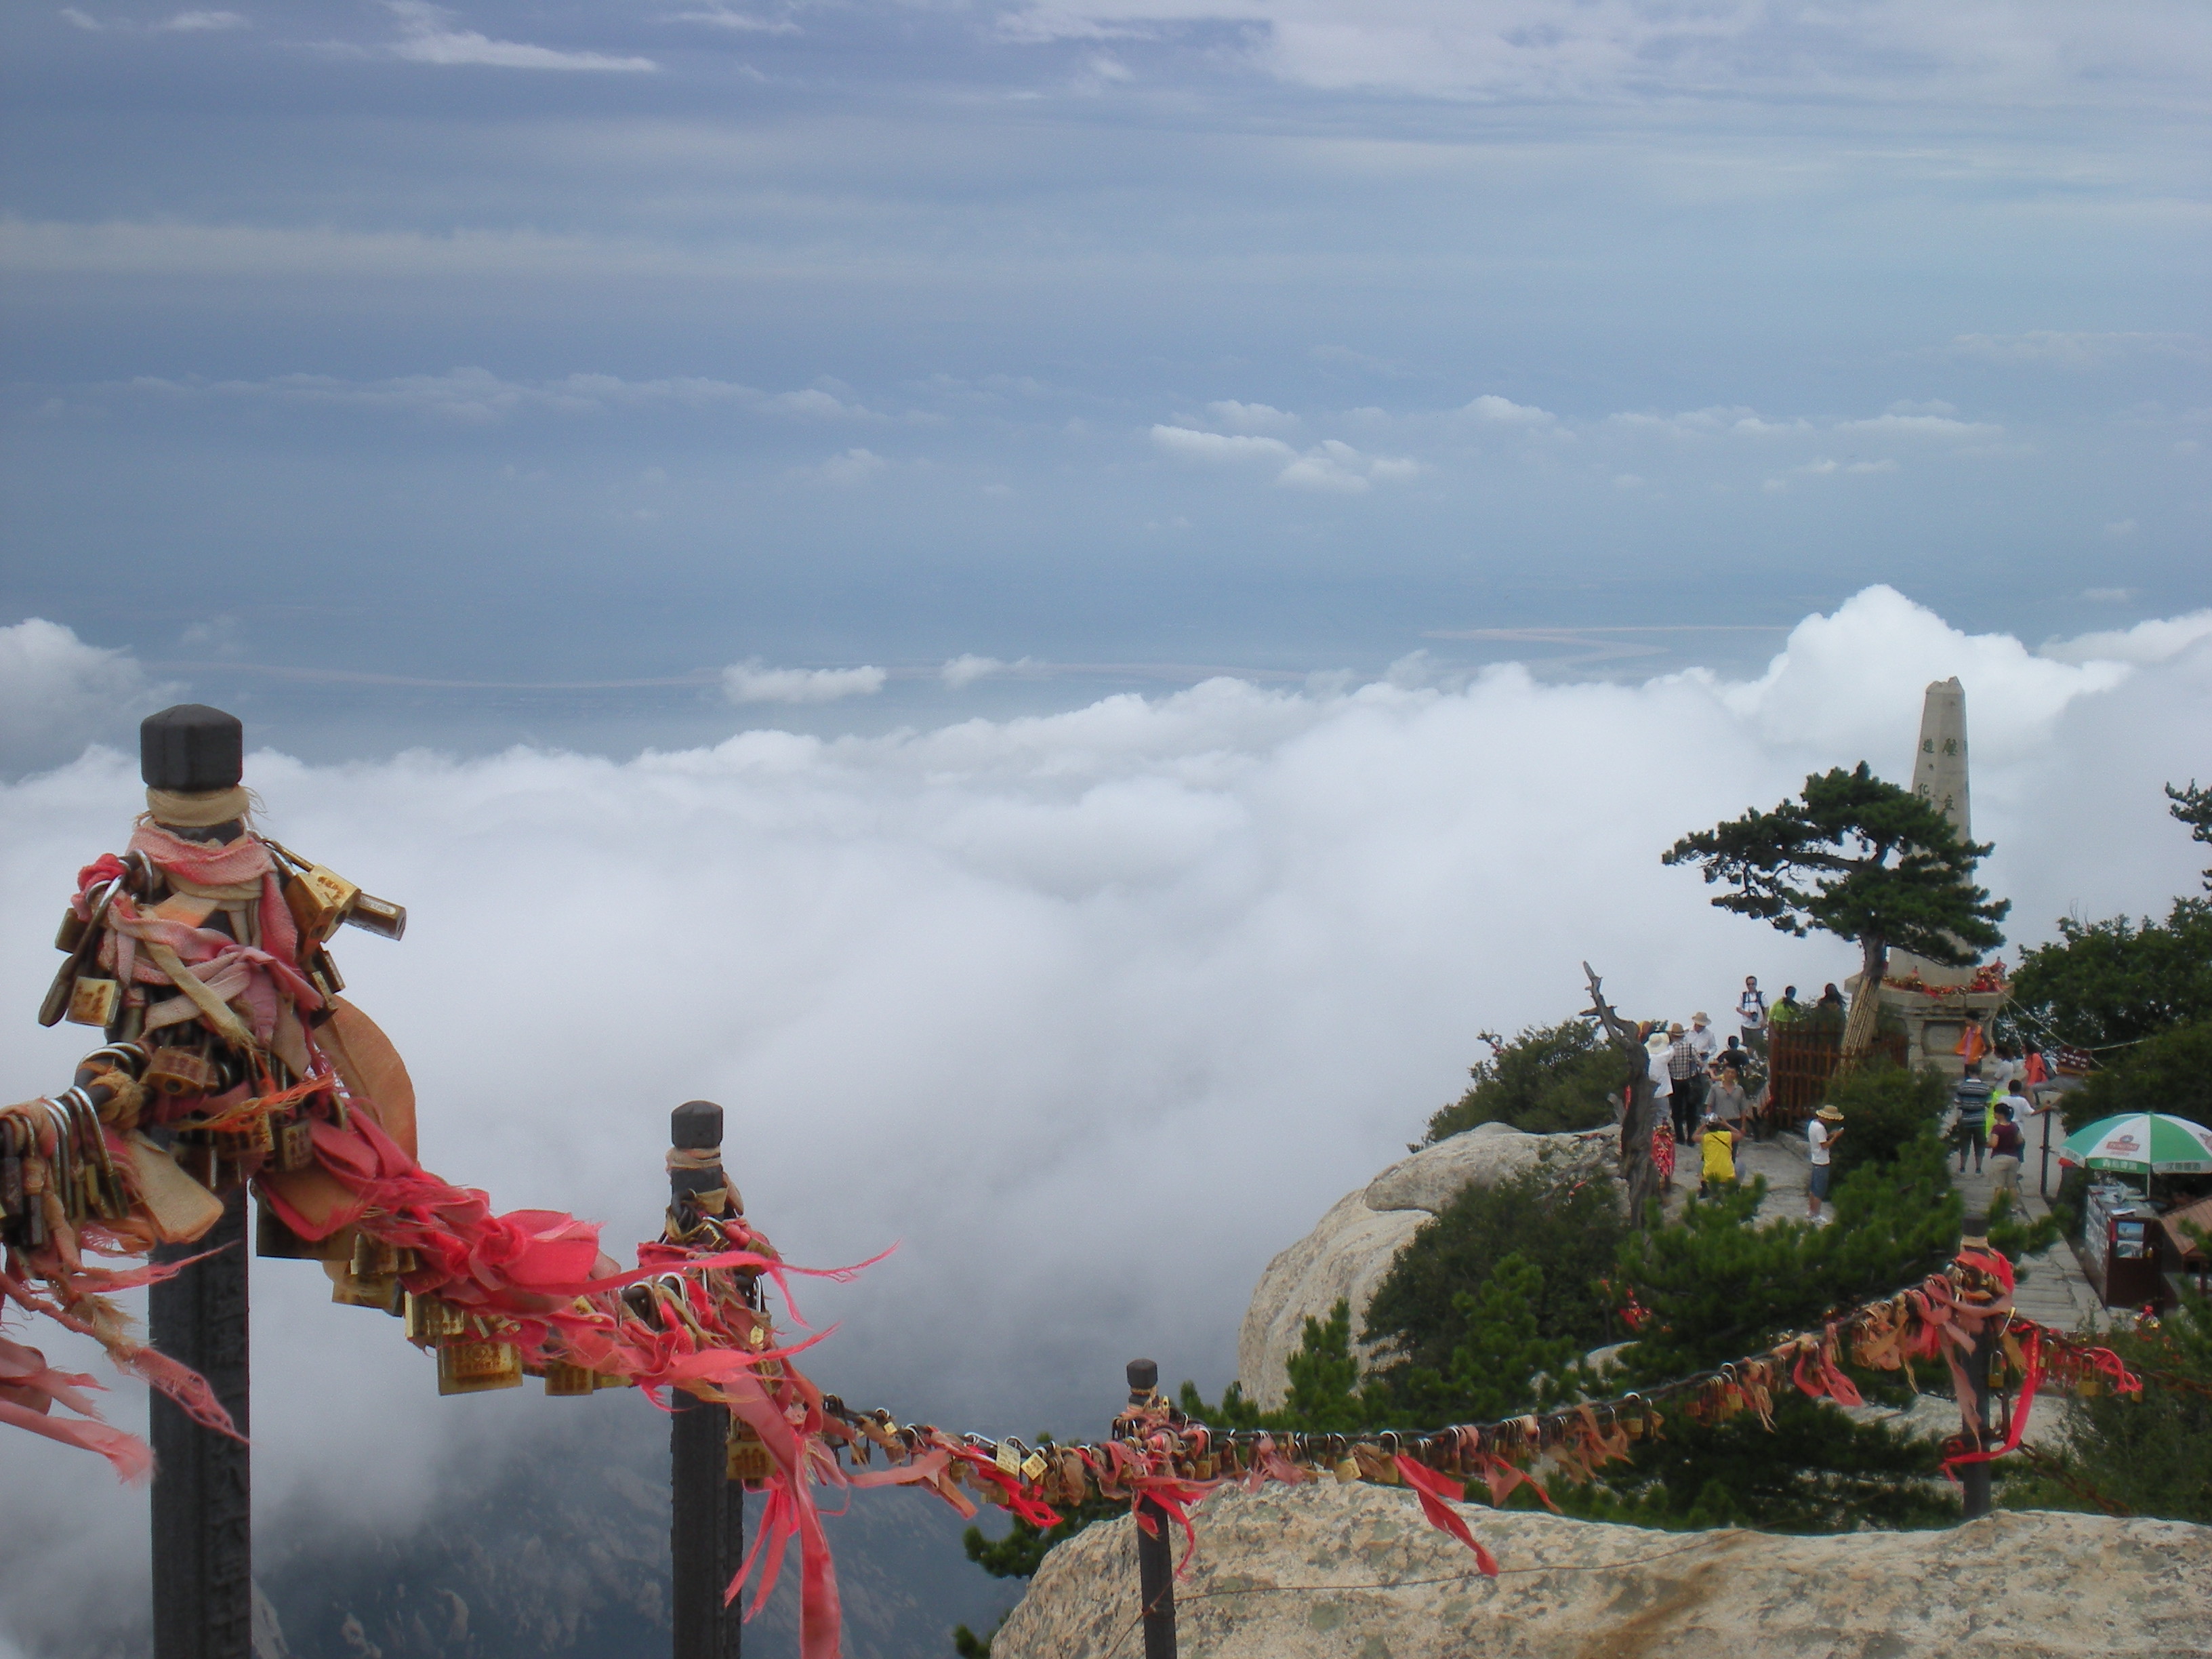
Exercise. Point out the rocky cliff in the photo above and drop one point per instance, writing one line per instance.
(1325, 1571)
(1348, 1252)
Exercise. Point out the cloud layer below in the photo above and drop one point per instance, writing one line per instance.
(1090, 1013)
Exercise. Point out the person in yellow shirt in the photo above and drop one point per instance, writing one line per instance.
(1717, 1141)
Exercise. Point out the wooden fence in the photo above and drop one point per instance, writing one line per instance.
(1801, 1058)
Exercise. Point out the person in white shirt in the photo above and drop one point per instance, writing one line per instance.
(1820, 1133)
(1750, 1012)
(1705, 1040)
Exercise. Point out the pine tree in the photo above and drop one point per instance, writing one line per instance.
(1862, 860)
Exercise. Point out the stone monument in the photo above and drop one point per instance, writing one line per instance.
(1935, 1003)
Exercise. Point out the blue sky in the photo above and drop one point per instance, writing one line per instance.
(558, 346)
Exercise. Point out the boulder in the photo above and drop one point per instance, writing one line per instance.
(1324, 1571)
(1348, 1252)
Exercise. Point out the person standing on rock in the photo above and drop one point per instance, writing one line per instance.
(1731, 1105)
(1686, 1076)
(1705, 1040)
(1751, 1013)
(1821, 1135)
(1970, 1099)
(1656, 1048)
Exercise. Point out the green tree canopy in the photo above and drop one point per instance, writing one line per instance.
(1862, 860)
(1548, 1078)
(2193, 806)
(1568, 1227)
(2117, 980)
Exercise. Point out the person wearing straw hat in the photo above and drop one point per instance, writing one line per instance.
(1820, 1134)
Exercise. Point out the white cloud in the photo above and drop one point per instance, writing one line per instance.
(1492, 407)
(723, 17)
(1979, 51)
(944, 982)
(1251, 417)
(2119, 528)
(58, 693)
(2108, 595)
(965, 669)
(198, 22)
(84, 21)
(751, 681)
(1190, 444)
(848, 471)
(425, 38)
(2156, 641)
(1331, 465)
(1923, 427)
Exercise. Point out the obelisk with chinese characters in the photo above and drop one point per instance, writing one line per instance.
(1939, 770)
(1931, 1000)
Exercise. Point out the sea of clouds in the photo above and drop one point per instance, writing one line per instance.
(1090, 1013)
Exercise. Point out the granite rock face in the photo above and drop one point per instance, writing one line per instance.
(1349, 1251)
(1325, 1571)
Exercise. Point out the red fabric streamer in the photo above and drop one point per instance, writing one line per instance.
(1438, 1493)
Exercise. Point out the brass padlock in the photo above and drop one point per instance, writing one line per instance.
(476, 1367)
(1348, 1469)
(249, 1141)
(1033, 1467)
(1008, 1460)
(746, 1458)
(93, 1001)
(566, 1380)
(70, 934)
(182, 1071)
(352, 1290)
(429, 1320)
(319, 900)
(295, 1144)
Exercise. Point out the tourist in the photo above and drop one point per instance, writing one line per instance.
(1750, 1012)
(1731, 1105)
(1686, 1080)
(1820, 1134)
(1831, 998)
(1705, 1040)
(1969, 1100)
(1717, 1142)
(2007, 1147)
(1657, 1050)
(1787, 1011)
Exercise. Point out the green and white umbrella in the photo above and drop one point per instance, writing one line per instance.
(2142, 1143)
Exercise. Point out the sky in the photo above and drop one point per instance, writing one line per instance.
(1058, 601)
(407, 373)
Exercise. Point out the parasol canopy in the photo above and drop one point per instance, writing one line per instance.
(2142, 1143)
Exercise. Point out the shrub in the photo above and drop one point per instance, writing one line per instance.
(1549, 1078)
(1886, 1108)
(1568, 1226)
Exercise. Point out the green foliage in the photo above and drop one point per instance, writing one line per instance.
(1858, 857)
(1548, 1078)
(1492, 1372)
(1817, 1471)
(2150, 1452)
(2117, 980)
(1568, 1227)
(1324, 1396)
(2193, 806)
(2171, 1072)
(968, 1646)
(1719, 1288)
(1886, 1108)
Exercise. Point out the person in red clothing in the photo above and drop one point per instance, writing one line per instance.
(2007, 1147)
